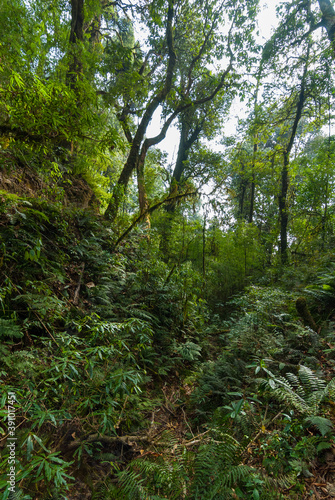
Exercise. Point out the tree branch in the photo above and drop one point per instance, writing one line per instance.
(122, 117)
(150, 210)
(198, 56)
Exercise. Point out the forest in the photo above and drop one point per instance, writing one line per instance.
(167, 269)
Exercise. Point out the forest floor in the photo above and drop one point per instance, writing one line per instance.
(125, 389)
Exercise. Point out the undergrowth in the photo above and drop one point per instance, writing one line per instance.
(127, 385)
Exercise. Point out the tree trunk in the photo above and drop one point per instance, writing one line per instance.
(75, 69)
(137, 148)
(283, 209)
(183, 151)
(283, 203)
(142, 194)
(328, 20)
(187, 139)
(241, 202)
(76, 38)
(252, 193)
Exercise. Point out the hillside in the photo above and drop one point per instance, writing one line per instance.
(128, 385)
(167, 300)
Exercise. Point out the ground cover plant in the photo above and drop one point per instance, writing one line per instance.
(166, 317)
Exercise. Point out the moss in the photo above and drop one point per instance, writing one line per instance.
(6, 196)
(304, 313)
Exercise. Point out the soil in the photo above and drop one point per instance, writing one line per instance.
(70, 189)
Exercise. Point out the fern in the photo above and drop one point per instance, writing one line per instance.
(324, 288)
(210, 472)
(19, 495)
(9, 329)
(283, 481)
(189, 351)
(310, 381)
(131, 485)
(324, 425)
(305, 393)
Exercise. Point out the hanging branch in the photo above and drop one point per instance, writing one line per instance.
(150, 210)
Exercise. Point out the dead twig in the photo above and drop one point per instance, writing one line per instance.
(76, 293)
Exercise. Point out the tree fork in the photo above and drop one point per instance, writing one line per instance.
(138, 152)
(133, 158)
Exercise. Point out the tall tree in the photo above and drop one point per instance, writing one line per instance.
(283, 202)
(196, 49)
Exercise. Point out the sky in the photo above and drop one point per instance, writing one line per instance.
(266, 23)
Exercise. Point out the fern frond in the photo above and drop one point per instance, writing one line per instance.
(9, 329)
(296, 385)
(314, 401)
(280, 482)
(330, 389)
(293, 379)
(304, 393)
(310, 380)
(324, 425)
(18, 494)
(286, 393)
(236, 474)
(131, 483)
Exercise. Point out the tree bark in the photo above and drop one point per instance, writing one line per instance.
(75, 69)
(76, 38)
(140, 145)
(328, 20)
(283, 203)
(187, 138)
(135, 150)
(142, 194)
(252, 192)
(283, 210)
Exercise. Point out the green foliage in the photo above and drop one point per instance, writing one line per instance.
(48, 468)
(106, 347)
(209, 472)
(305, 392)
(138, 321)
(8, 328)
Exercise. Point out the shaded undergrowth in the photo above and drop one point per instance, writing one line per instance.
(128, 386)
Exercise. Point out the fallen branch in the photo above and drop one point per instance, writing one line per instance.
(101, 438)
(129, 440)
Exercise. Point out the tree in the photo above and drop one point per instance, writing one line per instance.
(178, 93)
(312, 210)
(312, 86)
(283, 202)
(303, 18)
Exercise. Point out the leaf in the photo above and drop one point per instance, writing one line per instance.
(324, 425)
(30, 447)
(40, 442)
(47, 471)
(255, 494)
(323, 446)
